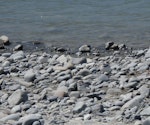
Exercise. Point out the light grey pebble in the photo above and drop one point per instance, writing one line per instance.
(29, 119)
(18, 55)
(17, 97)
(144, 90)
(87, 117)
(16, 108)
(29, 75)
(11, 117)
(74, 94)
(103, 78)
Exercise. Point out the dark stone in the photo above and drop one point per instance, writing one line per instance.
(108, 45)
(114, 47)
(93, 95)
(61, 49)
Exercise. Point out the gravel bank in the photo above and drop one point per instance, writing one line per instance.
(40, 88)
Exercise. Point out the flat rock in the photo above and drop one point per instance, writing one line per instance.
(42, 59)
(74, 94)
(136, 101)
(11, 117)
(29, 119)
(16, 108)
(17, 97)
(144, 90)
(145, 112)
(18, 55)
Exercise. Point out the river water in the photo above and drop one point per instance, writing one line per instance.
(76, 22)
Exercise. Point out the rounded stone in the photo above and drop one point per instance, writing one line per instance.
(29, 119)
(85, 48)
(29, 75)
(79, 107)
(5, 39)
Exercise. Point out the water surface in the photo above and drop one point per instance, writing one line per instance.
(76, 22)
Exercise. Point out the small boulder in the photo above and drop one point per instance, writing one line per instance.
(103, 78)
(85, 48)
(17, 97)
(18, 55)
(18, 47)
(5, 40)
(29, 119)
(84, 72)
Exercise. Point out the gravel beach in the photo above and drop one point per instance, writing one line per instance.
(85, 88)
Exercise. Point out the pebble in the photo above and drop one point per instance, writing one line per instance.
(18, 55)
(17, 97)
(103, 78)
(85, 48)
(5, 39)
(87, 117)
(11, 117)
(79, 107)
